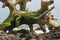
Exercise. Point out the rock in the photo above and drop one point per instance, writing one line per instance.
(23, 38)
(24, 31)
(38, 28)
(9, 37)
(26, 35)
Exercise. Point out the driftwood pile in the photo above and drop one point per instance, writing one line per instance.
(24, 34)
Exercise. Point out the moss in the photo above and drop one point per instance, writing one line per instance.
(6, 22)
(26, 18)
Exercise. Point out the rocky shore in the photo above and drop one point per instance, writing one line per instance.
(24, 34)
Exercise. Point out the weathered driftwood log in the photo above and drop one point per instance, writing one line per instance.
(50, 22)
(41, 18)
(30, 19)
(53, 24)
(44, 5)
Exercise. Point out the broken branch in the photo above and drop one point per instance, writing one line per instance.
(44, 14)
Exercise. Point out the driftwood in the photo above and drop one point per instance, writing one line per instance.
(50, 22)
(53, 24)
(12, 5)
(41, 19)
(12, 8)
(44, 14)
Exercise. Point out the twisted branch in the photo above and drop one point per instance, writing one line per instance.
(44, 14)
